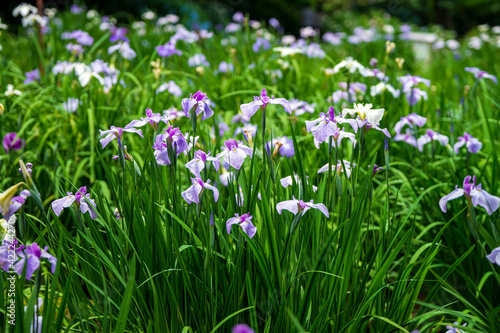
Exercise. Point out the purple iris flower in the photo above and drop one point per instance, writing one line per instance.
(298, 206)
(172, 137)
(430, 136)
(225, 67)
(234, 153)
(411, 120)
(124, 49)
(32, 76)
(171, 87)
(409, 81)
(118, 34)
(479, 74)
(192, 194)
(242, 328)
(5, 263)
(12, 142)
(273, 22)
(80, 36)
(31, 257)
(472, 144)
(494, 256)
(245, 222)
(474, 194)
(167, 50)
(15, 204)
(333, 38)
(326, 125)
(285, 146)
(451, 329)
(338, 168)
(376, 168)
(198, 162)
(117, 132)
(408, 138)
(201, 102)
(288, 181)
(300, 107)
(82, 199)
(261, 43)
(414, 95)
(152, 119)
(76, 49)
(75, 9)
(238, 17)
(249, 109)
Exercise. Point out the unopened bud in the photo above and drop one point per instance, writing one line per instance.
(277, 147)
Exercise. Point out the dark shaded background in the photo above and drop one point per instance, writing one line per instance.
(458, 15)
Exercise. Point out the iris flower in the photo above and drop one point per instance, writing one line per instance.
(339, 168)
(474, 194)
(285, 146)
(234, 153)
(249, 109)
(197, 164)
(192, 194)
(31, 256)
(479, 74)
(326, 126)
(430, 136)
(373, 116)
(117, 132)
(82, 199)
(472, 144)
(298, 206)
(201, 102)
(245, 222)
(411, 120)
(494, 256)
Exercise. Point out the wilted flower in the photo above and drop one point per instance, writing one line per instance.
(474, 194)
(298, 206)
(245, 222)
(12, 142)
(201, 102)
(430, 136)
(234, 153)
(479, 74)
(249, 109)
(472, 144)
(82, 199)
(285, 146)
(192, 194)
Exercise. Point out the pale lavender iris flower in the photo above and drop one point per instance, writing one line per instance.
(245, 222)
(410, 81)
(327, 125)
(479, 74)
(298, 206)
(411, 120)
(192, 194)
(197, 164)
(234, 153)
(117, 132)
(249, 109)
(414, 95)
(167, 50)
(430, 136)
(152, 119)
(472, 144)
(339, 168)
(288, 181)
(474, 194)
(32, 76)
(494, 256)
(82, 200)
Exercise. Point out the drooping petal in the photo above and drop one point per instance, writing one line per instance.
(457, 193)
(59, 204)
(107, 139)
(494, 256)
(283, 102)
(192, 194)
(322, 208)
(457, 145)
(87, 205)
(51, 259)
(474, 145)
(231, 221)
(249, 109)
(290, 205)
(213, 189)
(249, 228)
(485, 200)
